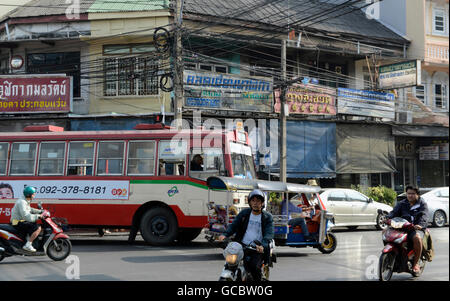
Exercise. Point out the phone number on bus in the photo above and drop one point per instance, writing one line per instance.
(75, 189)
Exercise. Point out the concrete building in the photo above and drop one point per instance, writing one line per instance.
(423, 110)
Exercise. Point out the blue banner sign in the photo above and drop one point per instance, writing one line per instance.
(227, 91)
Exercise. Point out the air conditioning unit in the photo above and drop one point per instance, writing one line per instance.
(404, 117)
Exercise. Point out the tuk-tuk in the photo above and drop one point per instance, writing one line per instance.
(221, 212)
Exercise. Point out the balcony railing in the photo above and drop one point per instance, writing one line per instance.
(436, 53)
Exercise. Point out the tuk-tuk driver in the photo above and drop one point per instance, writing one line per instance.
(296, 218)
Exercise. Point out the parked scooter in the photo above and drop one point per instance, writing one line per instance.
(396, 256)
(51, 241)
(234, 269)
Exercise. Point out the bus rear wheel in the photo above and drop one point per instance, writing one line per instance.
(159, 226)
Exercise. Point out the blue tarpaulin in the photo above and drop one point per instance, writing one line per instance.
(311, 150)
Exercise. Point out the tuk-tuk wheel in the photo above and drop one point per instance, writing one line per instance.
(329, 245)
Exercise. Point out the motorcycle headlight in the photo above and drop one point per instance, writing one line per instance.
(231, 259)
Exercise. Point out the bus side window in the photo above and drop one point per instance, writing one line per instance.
(141, 158)
(81, 158)
(168, 168)
(110, 158)
(3, 157)
(51, 158)
(172, 158)
(23, 157)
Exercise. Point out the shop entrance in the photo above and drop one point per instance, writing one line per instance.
(406, 174)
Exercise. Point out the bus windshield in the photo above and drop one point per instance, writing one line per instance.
(242, 161)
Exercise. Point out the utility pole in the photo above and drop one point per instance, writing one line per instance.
(283, 177)
(178, 64)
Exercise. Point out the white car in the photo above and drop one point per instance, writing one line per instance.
(352, 208)
(437, 201)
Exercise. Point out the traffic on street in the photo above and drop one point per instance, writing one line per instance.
(243, 141)
(111, 258)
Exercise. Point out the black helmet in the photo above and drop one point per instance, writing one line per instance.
(259, 194)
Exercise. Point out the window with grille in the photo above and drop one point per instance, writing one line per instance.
(130, 76)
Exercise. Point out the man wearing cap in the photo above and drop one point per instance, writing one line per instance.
(24, 218)
(253, 224)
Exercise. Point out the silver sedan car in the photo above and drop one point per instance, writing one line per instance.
(352, 208)
(437, 201)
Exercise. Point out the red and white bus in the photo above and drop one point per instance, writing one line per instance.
(139, 179)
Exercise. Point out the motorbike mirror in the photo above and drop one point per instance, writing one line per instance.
(39, 205)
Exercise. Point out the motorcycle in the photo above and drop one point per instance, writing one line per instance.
(396, 256)
(234, 269)
(51, 241)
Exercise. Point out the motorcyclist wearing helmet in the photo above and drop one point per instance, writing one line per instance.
(253, 224)
(414, 209)
(24, 218)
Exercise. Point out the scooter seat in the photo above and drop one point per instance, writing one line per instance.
(11, 229)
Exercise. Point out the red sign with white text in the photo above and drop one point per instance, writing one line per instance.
(35, 94)
(308, 99)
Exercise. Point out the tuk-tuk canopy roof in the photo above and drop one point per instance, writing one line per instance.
(245, 184)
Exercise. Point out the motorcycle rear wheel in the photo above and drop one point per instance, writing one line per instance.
(386, 266)
(59, 249)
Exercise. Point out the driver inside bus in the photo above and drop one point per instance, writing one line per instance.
(197, 163)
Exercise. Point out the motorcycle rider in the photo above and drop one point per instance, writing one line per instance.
(24, 218)
(253, 224)
(414, 209)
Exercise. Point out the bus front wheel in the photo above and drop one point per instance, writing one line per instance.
(159, 226)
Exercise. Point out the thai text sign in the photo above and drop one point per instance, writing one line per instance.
(429, 152)
(208, 90)
(366, 103)
(35, 94)
(399, 75)
(308, 99)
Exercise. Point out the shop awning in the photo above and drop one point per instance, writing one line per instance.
(364, 148)
(419, 131)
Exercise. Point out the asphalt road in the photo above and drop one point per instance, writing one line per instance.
(111, 258)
